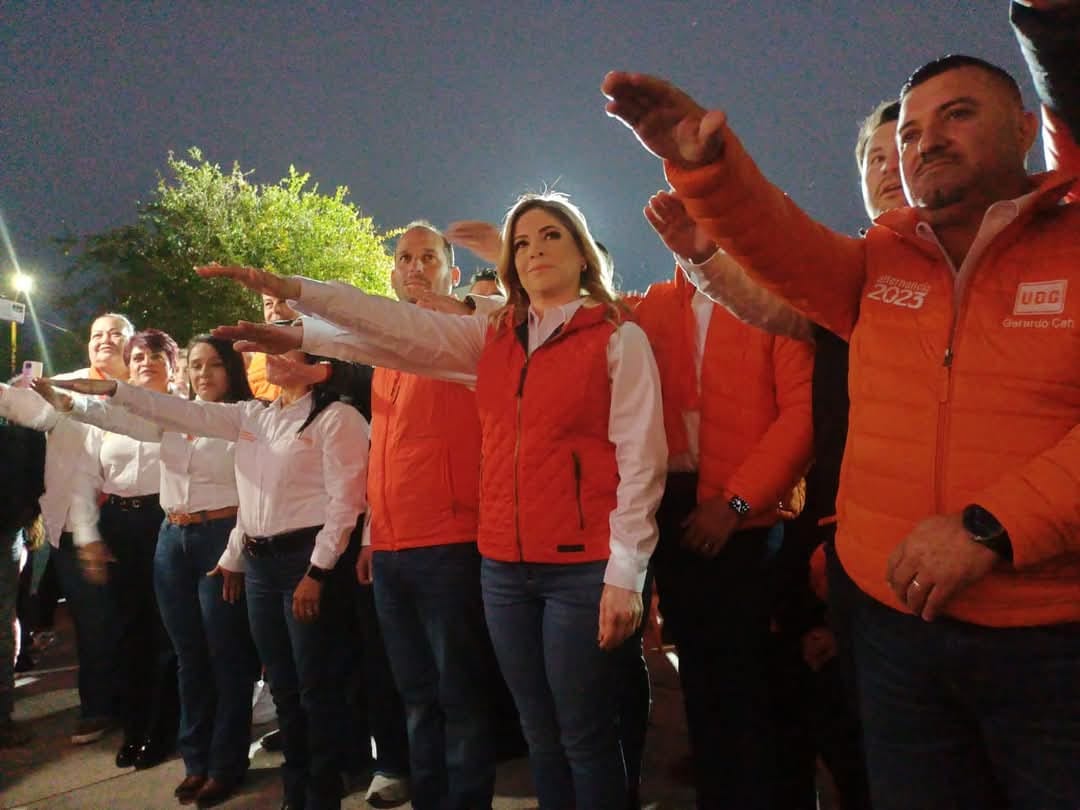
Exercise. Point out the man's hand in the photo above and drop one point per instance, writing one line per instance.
(935, 562)
(709, 527)
(666, 120)
(818, 647)
(442, 303)
(291, 373)
(232, 583)
(620, 615)
(482, 238)
(95, 388)
(261, 337)
(60, 400)
(363, 565)
(667, 215)
(260, 281)
(305, 599)
(94, 559)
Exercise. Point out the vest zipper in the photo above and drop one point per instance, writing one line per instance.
(577, 488)
(517, 448)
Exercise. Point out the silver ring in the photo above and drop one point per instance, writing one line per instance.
(915, 583)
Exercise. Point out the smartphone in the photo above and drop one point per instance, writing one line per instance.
(31, 369)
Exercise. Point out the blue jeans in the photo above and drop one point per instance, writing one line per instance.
(959, 716)
(216, 658)
(543, 621)
(96, 641)
(305, 678)
(432, 615)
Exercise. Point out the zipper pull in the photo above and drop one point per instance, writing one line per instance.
(948, 357)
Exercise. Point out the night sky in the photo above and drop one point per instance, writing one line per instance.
(443, 110)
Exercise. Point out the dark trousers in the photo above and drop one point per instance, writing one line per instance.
(634, 696)
(149, 704)
(959, 716)
(93, 613)
(718, 612)
(216, 657)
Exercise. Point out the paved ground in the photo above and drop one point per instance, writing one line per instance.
(53, 774)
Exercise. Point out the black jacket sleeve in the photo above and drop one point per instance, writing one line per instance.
(1050, 41)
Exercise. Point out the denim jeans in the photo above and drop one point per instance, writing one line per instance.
(216, 658)
(431, 611)
(543, 621)
(959, 716)
(10, 553)
(305, 679)
(93, 613)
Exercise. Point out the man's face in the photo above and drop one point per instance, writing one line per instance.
(277, 309)
(962, 138)
(107, 341)
(881, 186)
(420, 266)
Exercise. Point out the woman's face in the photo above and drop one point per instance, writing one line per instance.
(206, 370)
(546, 257)
(150, 369)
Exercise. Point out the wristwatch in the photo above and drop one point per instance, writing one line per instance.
(739, 506)
(986, 530)
(318, 574)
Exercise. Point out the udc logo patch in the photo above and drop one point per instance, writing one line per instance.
(1040, 297)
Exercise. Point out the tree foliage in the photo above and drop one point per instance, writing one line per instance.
(200, 214)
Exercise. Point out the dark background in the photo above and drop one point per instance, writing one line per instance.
(441, 110)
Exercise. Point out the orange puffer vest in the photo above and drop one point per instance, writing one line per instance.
(549, 472)
(424, 473)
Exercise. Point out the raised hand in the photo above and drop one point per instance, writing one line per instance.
(60, 400)
(261, 337)
(260, 281)
(292, 373)
(666, 120)
(667, 215)
(94, 388)
(482, 238)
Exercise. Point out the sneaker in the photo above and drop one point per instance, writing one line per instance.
(13, 734)
(91, 729)
(387, 791)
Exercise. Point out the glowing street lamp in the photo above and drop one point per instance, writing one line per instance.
(22, 283)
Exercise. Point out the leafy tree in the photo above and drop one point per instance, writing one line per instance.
(200, 214)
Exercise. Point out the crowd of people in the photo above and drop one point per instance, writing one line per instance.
(849, 466)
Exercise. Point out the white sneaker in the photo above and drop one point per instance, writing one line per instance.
(262, 704)
(387, 791)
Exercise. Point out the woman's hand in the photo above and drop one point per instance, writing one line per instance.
(363, 565)
(482, 238)
(261, 337)
(232, 583)
(94, 559)
(620, 615)
(94, 388)
(260, 281)
(305, 600)
(58, 399)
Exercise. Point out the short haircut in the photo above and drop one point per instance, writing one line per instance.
(884, 113)
(154, 341)
(953, 61)
(126, 325)
(484, 274)
(448, 249)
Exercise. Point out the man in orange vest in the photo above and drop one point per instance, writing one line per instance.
(959, 515)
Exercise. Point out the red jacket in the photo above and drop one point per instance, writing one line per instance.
(424, 469)
(756, 436)
(549, 473)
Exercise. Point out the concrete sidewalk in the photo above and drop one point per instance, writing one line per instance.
(51, 773)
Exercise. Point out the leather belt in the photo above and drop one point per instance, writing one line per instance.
(133, 504)
(284, 543)
(204, 516)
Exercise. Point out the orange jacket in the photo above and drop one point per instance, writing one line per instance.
(996, 421)
(424, 469)
(549, 475)
(756, 424)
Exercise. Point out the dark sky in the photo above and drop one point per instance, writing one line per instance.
(443, 110)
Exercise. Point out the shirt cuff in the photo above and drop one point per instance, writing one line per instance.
(625, 572)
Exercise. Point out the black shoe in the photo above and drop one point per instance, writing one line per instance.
(272, 741)
(214, 792)
(151, 753)
(127, 754)
(189, 788)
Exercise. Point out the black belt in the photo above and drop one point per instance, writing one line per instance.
(284, 543)
(134, 504)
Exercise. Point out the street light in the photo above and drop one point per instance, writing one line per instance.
(23, 284)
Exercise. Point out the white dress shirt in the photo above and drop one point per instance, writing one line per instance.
(383, 332)
(284, 481)
(72, 472)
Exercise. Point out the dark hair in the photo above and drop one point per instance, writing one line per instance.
(322, 394)
(484, 274)
(884, 113)
(448, 249)
(238, 389)
(954, 61)
(154, 341)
